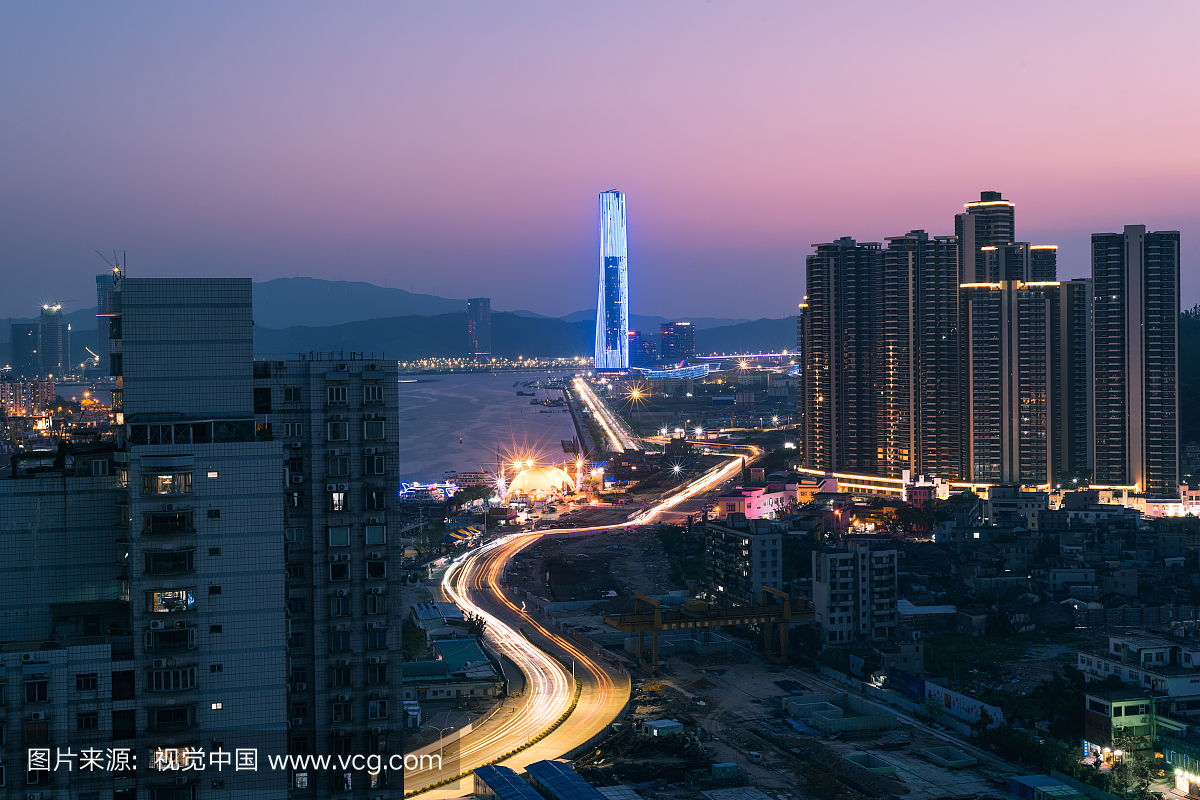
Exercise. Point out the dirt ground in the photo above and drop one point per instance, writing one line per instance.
(624, 561)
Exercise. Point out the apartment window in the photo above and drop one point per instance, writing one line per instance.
(215, 628)
(171, 483)
(167, 524)
(339, 606)
(336, 395)
(372, 394)
(295, 500)
(377, 709)
(339, 676)
(168, 719)
(373, 500)
(291, 394)
(375, 604)
(338, 466)
(376, 570)
(214, 551)
(214, 590)
(375, 465)
(339, 642)
(296, 640)
(99, 467)
(376, 534)
(299, 675)
(293, 429)
(37, 691)
(123, 685)
(296, 571)
(262, 400)
(299, 709)
(216, 667)
(214, 513)
(301, 778)
(341, 712)
(338, 431)
(339, 536)
(337, 501)
(124, 724)
(339, 572)
(37, 732)
(296, 605)
(87, 683)
(376, 640)
(373, 430)
(171, 680)
(293, 534)
(377, 673)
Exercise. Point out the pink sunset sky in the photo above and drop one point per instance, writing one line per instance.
(458, 148)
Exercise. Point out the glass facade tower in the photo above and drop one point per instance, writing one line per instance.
(612, 305)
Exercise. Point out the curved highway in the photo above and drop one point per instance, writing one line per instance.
(475, 585)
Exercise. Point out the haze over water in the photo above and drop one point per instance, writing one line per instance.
(486, 412)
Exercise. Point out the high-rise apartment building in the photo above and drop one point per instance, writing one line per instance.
(479, 326)
(337, 420)
(1135, 278)
(173, 642)
(1012, 380)
(676, 341)
(642, 351)
(987, 222)
(855, 591)
(24, 349)
(916, 371)
(51, 357)
(841, 340)
(1075, 445)
(105, 284)
(612, 303)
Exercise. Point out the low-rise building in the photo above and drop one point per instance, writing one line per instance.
(855, 592)
(462, 670)
(759, 501)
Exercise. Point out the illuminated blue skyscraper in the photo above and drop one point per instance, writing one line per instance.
(612, 307)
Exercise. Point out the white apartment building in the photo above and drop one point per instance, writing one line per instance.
(854, 591)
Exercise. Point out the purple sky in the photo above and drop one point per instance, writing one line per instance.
(458, 148)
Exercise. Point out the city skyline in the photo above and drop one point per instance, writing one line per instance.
(719, 150)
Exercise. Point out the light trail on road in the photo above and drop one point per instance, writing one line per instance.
(621, 439)
(476, 581)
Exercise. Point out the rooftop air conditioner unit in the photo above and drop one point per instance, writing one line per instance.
(297, 445)
(340, 592)
(158, 663)
(375, 660)
(342, 698)
(157, 624)
(331, 487)
(370, 450)
(180, 623)
(338, 417)
(373, 521)
(376, 590)
(301, 687)
(341, 368)
(372, 367)
(333, 557)
(26, 658)
(297, 722)
(279, 364)
(376, 556)
(38, 716)
(345, 556)
(341, 487)
(376, 730)
(33, 796)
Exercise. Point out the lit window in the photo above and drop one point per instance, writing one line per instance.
(213, 475)
(217, 706)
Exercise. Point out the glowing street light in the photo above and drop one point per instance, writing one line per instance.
(699, 431)
(774, 420)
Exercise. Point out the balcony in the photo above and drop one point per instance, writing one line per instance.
(168, 523)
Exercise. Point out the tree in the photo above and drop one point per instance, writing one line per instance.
(413, 643)
(475, 624)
